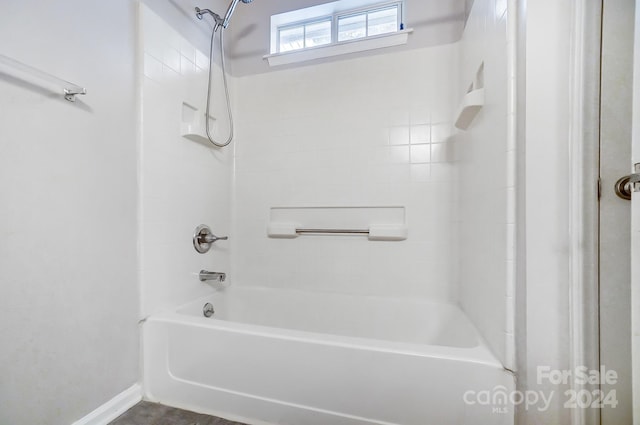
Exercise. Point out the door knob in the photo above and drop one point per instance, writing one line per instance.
(623, 188)
(627, 184)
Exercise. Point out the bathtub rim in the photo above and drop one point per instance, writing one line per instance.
(477, 337)
(479, 354)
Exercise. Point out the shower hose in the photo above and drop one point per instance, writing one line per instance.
(226, 89)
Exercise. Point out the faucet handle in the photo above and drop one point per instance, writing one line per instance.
(203, 238)
(211, 238)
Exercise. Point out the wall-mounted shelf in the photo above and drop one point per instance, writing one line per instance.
(23, 71)
(472, 102)
(192, 126)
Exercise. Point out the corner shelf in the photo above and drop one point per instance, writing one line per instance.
(472, 102)
(193, 124)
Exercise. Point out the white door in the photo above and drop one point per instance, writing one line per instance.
(635, 226)
(616, 126)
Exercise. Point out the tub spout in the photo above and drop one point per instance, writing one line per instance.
(205, 275)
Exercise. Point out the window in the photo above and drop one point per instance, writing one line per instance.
(331, 24)
(368, 23)
(302, 36)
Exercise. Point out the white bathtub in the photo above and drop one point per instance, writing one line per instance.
(297, 358)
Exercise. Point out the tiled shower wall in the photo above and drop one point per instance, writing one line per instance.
(487, 173)
(372, 131)
(182, 183)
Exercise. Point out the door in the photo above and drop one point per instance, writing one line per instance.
(617, 77)
(635, 227)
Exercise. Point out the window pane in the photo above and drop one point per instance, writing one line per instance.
(383, 21)
(318, 33)
(291, 39)
(352, 27)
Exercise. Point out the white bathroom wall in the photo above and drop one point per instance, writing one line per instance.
(183, 183)
(549, 26)
(487, 174)
(370, 131)
(68, 289)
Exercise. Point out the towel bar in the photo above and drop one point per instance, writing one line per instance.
(332, 231)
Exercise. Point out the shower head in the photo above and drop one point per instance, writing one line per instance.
(223, 22)
(231, 9)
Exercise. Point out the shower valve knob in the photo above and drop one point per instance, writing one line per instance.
(203, 238)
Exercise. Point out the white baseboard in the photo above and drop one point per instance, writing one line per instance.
(113, 408)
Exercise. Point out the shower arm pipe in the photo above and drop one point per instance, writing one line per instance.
(219, 21)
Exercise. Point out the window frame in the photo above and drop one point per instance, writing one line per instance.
(334, 19)
(303, 24)
(366, 11)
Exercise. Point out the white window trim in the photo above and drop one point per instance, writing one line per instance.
(368, 42)
(341, 48)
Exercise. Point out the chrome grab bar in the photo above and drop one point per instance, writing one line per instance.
(334, 231)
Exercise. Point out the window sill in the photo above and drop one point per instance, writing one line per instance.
(343, 48)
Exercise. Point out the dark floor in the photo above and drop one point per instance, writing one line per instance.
(146, 413)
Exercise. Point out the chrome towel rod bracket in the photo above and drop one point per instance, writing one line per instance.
(70, 94)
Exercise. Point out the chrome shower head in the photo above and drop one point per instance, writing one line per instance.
(230, 10)
(201, 12)
(221, 22)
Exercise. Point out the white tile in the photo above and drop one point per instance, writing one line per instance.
(421, 114)
(441, 172)
(170, 75)
(171, 58)
(152, 68)
(440, 152)
(500, 8)
(420, 173)
(186, 66)
(202, 60)
(399, 135)
(420, 134)
(420, 154)
(441, 132)
(400, 174)
(188, 50)
(399, 154)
